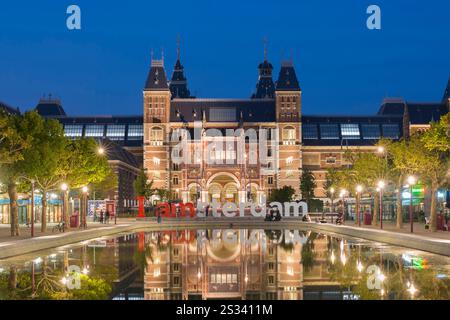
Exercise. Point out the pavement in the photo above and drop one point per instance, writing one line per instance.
(435, 242)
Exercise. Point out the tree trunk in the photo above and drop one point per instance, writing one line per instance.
(433, 216)
(376, 207)
(12, 280)
(66, 209)
(44, 211)
(399, 203)
(13, 209)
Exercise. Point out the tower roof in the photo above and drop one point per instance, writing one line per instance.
(48, 107)
(156, 79)
(265, 88)
(287, 79)
(178, 83)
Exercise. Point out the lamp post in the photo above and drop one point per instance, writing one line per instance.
(411, 181)
(84, 207)
(381, 185)
(359, 189)
(64, 188)
(32, 208)
(332, 199)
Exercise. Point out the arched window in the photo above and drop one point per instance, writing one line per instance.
(289, 135)
(156, 136)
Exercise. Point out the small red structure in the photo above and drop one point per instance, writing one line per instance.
(141, 200)
(367, 219)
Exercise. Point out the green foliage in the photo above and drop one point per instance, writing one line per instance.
(142, 187)
(13, 139)
(307, 185)
(82, 165)
(282, 195)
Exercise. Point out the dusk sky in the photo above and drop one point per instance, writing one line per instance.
(343, 67)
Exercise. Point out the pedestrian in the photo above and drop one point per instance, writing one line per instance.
(101, 216)
(107, 215)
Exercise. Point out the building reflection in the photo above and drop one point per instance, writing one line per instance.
(224, 264)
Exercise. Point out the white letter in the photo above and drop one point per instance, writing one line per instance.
(374, 20)
(74, 20)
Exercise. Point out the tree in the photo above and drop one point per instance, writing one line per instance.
(307, 185)
(142, 187)
(42, 163)
(82, 166)
(12, 141)
(282, 195)
(13, 168)
(434, 161)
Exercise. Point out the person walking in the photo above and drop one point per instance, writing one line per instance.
(107, 217)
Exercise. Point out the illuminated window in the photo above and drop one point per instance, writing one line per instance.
(94, 130)
(289, 135)
(289, 160)
(350, 131)
(135, 132)
(73, 130)
(115, 131)
(156, 161)
(156, 136)
(290, 270)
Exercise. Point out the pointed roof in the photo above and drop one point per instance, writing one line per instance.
(8, 109)
(156, 80)
(178, 83)
(265, 88)
(287, 79)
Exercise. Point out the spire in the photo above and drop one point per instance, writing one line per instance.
(178, 83)
(156, 79)
(265, 87)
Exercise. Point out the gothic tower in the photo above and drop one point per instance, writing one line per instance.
(288, 116)
(157, 98)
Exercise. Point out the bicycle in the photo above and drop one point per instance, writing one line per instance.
(59, 227)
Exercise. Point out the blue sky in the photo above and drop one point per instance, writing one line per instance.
(343, 67)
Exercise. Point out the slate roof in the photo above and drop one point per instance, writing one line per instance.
(8, 108)
(50, 108)
(257, 110)
(424, 113)
(178, 83)
(156, 79)
(392, 107)
(287, 79)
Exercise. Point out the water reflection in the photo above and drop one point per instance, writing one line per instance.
(226, 264)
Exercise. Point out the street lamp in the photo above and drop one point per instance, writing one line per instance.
(380, 149)
(101, 151)
(411, 182)
(64, 188)
(381, 185)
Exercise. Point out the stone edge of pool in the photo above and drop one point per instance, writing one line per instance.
(19, 247)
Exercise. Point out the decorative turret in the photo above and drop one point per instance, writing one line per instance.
(178, 83)
(265, 88)
(156, 80)
(446, 98)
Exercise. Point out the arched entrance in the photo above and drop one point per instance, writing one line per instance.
(223, 187)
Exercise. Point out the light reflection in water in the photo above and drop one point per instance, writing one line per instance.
(235, 264)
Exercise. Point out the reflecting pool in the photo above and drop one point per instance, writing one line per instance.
(226, 264)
